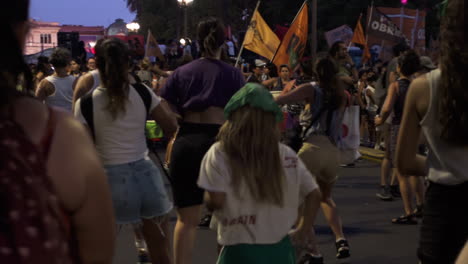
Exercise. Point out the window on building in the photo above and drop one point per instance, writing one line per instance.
(46, 38)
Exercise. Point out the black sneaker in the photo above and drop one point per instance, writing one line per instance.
(205, 222)
(342, 249)
(395, 191)
(309, 259)
(384, 193)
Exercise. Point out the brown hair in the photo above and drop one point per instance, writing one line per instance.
(211, 36)
(454, 59)
(112, 60)
(250, 138)
(327, 71)
(13, 69)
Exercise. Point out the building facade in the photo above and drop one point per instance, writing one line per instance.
(42, 36)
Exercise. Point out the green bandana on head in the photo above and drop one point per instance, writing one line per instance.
(255, 95)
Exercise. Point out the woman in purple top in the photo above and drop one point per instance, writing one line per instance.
(198, 91)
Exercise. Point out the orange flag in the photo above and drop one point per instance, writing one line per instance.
(152, 47)
(294, 42)
(360, 38)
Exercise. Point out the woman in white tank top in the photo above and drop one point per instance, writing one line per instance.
(436, 106)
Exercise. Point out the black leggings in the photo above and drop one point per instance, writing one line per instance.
(190, 146)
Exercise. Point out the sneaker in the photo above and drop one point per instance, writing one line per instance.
(395, 191)
(342, 249)
(384, 193)
(310, 259)
(205, 222)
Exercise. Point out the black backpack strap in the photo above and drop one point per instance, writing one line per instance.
(86, 105)
(144, 94)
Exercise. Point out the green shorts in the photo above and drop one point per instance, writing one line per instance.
(280, 253)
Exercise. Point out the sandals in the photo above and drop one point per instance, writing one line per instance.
(418, 212)
(342, 249)
(405, 220)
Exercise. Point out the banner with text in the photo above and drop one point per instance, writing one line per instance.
(390, 26)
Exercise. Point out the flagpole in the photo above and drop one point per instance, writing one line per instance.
(294, 20)
(147, 38)
(367, 28)
(242, 47)
(369, 20)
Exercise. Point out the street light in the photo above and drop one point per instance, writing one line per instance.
(133, 27)
(184, 4)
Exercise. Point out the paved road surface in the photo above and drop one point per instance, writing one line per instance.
(373, 238)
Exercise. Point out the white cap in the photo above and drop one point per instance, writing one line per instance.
(259, 63)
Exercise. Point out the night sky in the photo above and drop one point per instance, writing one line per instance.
(80, 12)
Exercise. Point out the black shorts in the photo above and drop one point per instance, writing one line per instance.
(190, 146)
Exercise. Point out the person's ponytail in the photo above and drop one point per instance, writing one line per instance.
(112, 59)
(211, 35)
(453, 107)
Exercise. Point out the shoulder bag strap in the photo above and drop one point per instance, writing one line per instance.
(86, 105)
(144, 94)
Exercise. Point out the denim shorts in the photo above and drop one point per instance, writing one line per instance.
(137, 191)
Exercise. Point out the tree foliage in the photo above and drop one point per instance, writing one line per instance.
(165, 17)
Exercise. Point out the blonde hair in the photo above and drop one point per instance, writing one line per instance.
(250, 139)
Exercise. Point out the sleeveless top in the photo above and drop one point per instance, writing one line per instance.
(33, 230)
(448, 163)
(278, 85)
(96, 78)
(403, 85)
(63, 94)
(328, 124)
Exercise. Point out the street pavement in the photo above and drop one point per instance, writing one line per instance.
(366, 221)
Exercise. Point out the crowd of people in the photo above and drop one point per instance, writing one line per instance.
(260, 147)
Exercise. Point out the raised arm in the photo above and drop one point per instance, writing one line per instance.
(304, 91)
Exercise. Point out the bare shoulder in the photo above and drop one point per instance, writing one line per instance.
(72, 160)
(86, 79)
(82, 86)
(419, 95)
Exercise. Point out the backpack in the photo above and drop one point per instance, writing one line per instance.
(31, 226)
(86, 105)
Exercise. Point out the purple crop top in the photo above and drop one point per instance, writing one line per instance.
(201, 84)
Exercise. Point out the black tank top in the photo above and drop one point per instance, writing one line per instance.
(403, 85)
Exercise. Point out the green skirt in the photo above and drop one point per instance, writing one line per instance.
(280, 253)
